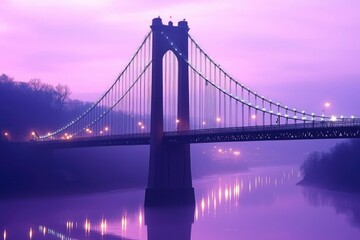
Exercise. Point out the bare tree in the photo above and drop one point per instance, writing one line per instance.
(62, 94)
(36, 84)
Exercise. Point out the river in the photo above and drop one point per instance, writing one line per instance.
(262, 203)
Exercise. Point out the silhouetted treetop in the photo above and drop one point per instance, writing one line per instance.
(34, 105)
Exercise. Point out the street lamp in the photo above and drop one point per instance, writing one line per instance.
(141, 125)
(326, 105)
(34, 135)
(254, 117)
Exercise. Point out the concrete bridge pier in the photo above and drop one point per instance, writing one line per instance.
(170, 182)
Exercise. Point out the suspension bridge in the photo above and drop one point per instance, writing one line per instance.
(172, 94)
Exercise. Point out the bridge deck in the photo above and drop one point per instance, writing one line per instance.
(316, 130)
(267, 133)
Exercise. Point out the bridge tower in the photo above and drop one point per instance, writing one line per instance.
(169, 179)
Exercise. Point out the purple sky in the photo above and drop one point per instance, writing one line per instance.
(301, 53)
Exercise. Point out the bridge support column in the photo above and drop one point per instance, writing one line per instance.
(169, 180)
(170, 183)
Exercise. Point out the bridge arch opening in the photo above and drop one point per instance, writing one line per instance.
(170, 70)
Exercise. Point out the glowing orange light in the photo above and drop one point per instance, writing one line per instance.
(33, 133)
(70, 225)
(123, 223)
(140, 123)
(87, 226)
(140, 218)
(236, 153)
(4, 234)
(226, 194)
(196, 213)
(253, 116)
(142, 127)
(106, 129)
(218, 119)
(6, 134)
(202, 205)
(204, 123)
(103, 227)
(101, 132)
(30, 233)
(177, 120)
(327, 104)
(237, 189)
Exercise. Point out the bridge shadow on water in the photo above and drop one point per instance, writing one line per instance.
(169, 222)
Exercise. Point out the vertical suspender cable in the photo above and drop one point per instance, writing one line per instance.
(236, 106)
(196, 91)
(225, 113)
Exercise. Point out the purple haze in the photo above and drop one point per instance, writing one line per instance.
(301, 53)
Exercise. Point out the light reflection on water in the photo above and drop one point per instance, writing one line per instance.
(229, 191)
(263, 203)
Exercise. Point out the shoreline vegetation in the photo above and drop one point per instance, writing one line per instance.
(338, 169)
(37, 108)
(34, 106)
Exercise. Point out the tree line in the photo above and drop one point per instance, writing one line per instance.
(337, 169)
(34, 105)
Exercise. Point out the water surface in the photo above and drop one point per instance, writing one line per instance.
(263, 203)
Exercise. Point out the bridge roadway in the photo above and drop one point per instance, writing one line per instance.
(312, 130)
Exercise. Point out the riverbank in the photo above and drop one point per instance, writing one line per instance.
(27, 171)
(337, 169)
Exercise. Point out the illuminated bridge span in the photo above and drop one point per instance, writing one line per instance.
(171, 94)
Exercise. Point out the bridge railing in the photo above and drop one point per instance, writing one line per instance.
(279, 127)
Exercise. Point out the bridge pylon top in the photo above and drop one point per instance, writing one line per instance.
(158, 24)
